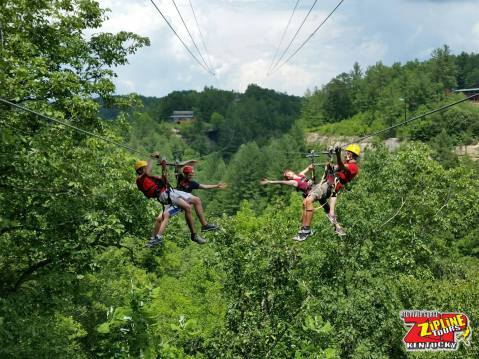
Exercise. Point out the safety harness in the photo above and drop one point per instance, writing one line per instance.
(164, 176)
(304, 185)
(330, 176)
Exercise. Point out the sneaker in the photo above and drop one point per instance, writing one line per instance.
(304, 230)
(332, 219)
(302, 235)
(209, 227)
(339, 231)
(196, 238)
(154, 241)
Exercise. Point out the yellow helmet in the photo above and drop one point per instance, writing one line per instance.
(139, 164)
(354, 148)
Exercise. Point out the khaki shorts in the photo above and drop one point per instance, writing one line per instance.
(174, 196)
(321, 192)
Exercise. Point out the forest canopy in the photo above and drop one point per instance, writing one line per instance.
(76, 280)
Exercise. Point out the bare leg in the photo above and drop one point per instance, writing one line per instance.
(309, 210)
(160, 223)
(196, 202)
(164, 223)
(188, 216)
(332, 205)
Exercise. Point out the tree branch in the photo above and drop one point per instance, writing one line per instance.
(26, 274)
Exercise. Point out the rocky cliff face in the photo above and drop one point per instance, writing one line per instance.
(471, 150)
(332, 141)
(391, 143)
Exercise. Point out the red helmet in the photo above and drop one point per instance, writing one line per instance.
(187, 170)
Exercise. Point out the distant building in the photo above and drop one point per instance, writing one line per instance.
(470, 92)
(182, 116)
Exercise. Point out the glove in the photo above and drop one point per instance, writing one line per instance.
(337, 149)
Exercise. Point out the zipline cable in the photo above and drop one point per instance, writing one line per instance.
(94, 134)
(191, 37)
(179, 38)
(445, 107)
(294, 37)
(73, 127)
(310, 36)
(201, 36)
(282, 37)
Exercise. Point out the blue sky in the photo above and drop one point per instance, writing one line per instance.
(242, 36)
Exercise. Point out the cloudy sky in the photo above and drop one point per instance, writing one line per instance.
(242, 36)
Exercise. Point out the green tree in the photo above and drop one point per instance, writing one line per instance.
(338, 98)
(443, 68)
(57, 207)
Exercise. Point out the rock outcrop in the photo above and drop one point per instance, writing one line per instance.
(391, 143)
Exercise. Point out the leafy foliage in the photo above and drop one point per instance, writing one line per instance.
(356, 104)
(76, 282)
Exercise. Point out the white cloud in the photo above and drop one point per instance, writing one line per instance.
(129, 85)
(242, 35)
(131, 16)
(475, 30)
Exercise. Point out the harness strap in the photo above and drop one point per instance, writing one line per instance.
(164, 177)
(328, 173)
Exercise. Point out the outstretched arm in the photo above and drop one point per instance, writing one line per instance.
(306, 170)
(220, 185)
(265, 181)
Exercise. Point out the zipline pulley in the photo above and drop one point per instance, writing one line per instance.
(312, 155)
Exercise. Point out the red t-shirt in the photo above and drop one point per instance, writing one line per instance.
(149, 185)
(346, 176)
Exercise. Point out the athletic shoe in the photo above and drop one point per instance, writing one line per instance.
(332, 219)
(196, 238)
(339, 231)
(305, 230)
(302, 235)
(154, 241)
(209, 227)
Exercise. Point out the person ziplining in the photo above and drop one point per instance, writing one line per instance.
(185, 183)
(334, 178)
(173, 201)
(298, 180)
(156, 187)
